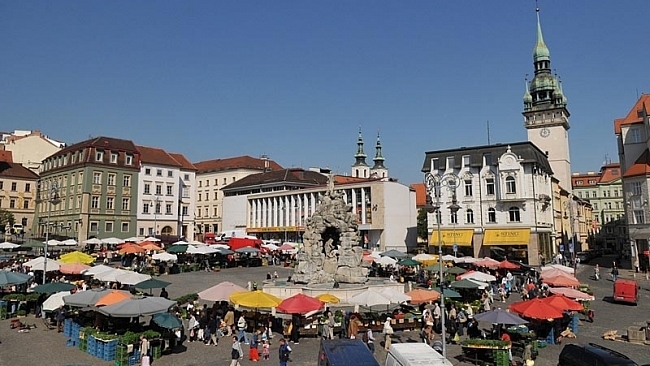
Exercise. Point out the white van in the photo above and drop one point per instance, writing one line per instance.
(414, 354)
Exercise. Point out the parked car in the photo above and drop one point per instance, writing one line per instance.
(592, 355)
(345, 352)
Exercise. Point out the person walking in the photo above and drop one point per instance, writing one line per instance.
(253, 352)
(295, 329)
(236, 352)
(212, 327)
(60, 318)
(614, 272)
(597, 272)
(369, 339)
(284, 352)
(242, 326)
(388, 332)
(229, 318)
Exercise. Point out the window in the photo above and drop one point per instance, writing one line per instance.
(511, 186)
(147, 171)
(97, 178)
(592, 181)
(435, 164)
(125, 226)
(159, 172)
(454, 217)
(99, 155)
(618, 205)
(184, 211)
(579, 182)
(141, 230)
(234, 179)
(110, 203)
(147, 188)
(595, 206)
(145, 208)
(593, 194)
(216, 182)
(14, 186)
(157, 208)
(468, 187)
(487, 159)
(466, 160)
(111, 179)
(1, 184)
(639, 218)
(450, 162)
(113, 158)
(129, 159)
(216, 195)
(200, 184)
(199, 197)
(168, 209)
(126, 204)
(169, 190)
(12, 203)
(25, 204)
(635, 135)
(186, 192)
(514, 214)
(158, 189)
(616, 193)
(94, 227)
(214, 211)
(206, 212)
(109, 227)
(489, 186)
(73, 158)
(94, 202)
(492, 215)
(207, 183)
(28, 187)
(170, 173)
(186, 177)
(636, 189)
(609, 205)
(126, 182)
(224, 182)
(469, 216)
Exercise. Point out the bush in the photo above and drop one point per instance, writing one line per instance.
(22, 313)
(14, 297)
(129, 338)
(150, 334)
(32, 297)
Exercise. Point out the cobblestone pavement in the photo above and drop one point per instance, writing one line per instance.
(39, 347)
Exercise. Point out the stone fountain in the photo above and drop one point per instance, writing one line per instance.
(331, 251)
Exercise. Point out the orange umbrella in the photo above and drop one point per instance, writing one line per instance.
(73, 268)
(418, 296)
(563, 303)
(151, 246)
(132, 249)
(113, 298)
(536, 309)
(561, 281)
(508, 265)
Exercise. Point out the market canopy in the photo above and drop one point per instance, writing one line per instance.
(54, 301)
(200, 249)
(73, 268)
(220, 292)
(132, 249)
(167, 320)
(425, 258)
(177, 249)
(554, 272)
(109, 276)
(13, 278)
(506, 264)
(560, 267)
(150, 246)
(408, 262)
(466, 259)
(436, 267)
(386, 261)
(31, 244)
(152, 283)
(93, 241)
(86, 298)
(563, 303)
(8, 245)
(133, 239)
(499, 316)
(151, 238)
(395, 297)
(52, 287)
(572, 293)
(536, 309)
(97, 269)
(300, 304)
(113, 297)
(138, 306)
(39, 264)
(419, 296)
(76, 257)
(69, 242)
(451, 293)
(165, 257)
(131, 278)
(52, 242)
(369, 298)
(448, 258)
(112, 241)
(456, 270)
(255, 299)
(561, 281)
(247, 250)
(487, 262)
(328, 298)
(394, 254)
(465, 283)
(478, 276)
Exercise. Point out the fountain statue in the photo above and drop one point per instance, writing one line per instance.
(331, 252)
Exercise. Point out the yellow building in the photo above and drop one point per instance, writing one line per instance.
(18, 193)
(573, 216)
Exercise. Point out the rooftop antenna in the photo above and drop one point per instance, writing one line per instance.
(488, 132)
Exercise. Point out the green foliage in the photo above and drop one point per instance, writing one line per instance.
(22, 312)
(129, 338)
(32, 297)
(187, 298)
(423, 224)
(492, 343)
(151, 334)
(6, 217)
(14, 297)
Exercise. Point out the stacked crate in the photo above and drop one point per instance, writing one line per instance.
(134, 359)
(122, 355)
(67, 327)
(156, 352)
(110, 349)
(501, 358)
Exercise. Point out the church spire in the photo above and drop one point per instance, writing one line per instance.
(379, 158)
(541, 52)
(360, 156)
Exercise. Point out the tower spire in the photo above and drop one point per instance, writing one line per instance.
(360, 156)
(379, 158)
(541, 52)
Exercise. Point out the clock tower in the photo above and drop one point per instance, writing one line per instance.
(546, 116)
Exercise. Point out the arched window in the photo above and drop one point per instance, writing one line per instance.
(167, 230)
(492, 215)
(511, 186)
(469, 216)
(514, 214)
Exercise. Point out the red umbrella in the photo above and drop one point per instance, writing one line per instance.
(300, 304)
(563, 303)
(536, 309)
(506, 264)
(486, 262)
(561, 281)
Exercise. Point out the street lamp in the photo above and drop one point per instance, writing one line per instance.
(52, 198)
(434, 186)
(156, 208)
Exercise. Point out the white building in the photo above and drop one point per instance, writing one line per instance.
(503, 197)
(165, 194)
(29, 148)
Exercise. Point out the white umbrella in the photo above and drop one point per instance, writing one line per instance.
(151, 238)
(113, 241)
(69, 242)
(133, 239)
(219, 246)
(466, 260)
(109, 276)
(38, 264)
(271, 247)
(54, 301)
(181, 242)
(97, 269)
(478, 276)
(385, 261)
(448, 257)
(165, 257)
(395, 296)
(8, 245)
(560, 267)
(203, 249)
(131, 278)
(424, 257)
(376, 254)
(481, 285)
(52, 242)
(370, 298)
(93, 241)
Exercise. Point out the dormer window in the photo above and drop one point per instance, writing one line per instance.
(99, 155)
(113, 158)
(129, 159)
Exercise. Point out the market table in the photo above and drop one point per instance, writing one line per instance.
(486, 355)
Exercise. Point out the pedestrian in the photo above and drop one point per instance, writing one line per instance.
(614, 272)
(327, 326)
(164, 294)
(229, 318)
(353, 327)
(388, 332)
(253, 353)
(60, 318)
(284, 352)
(275, 275)
(597, 272)
(369, 339)
(295, 329)
(212, 328)
(242, 326)
(192, 326)
(236, 352)
(266, 350)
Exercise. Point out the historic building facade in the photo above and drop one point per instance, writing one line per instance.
(18, 193)
(97, 183)
(29, 148)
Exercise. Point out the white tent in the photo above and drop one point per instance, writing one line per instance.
(93, 241)
(97, 269)
(560, 267)
(181, 242)
(52, 242)
(203, 249)
(271, 247)
(165, 257)
(424, 257)
(478, 276)
(219, 246)
(151, 238)
(385, 261)
(54, 301)
(133, 239)
(395, 296)
(113, 241)
(370, 298)
(131, 278)
(8, 245)
(482, 285)
(448, 257)
(110, 275)
(69, 242)
(38, 264)
(466, 260)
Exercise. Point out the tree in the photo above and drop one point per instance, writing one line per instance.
(6, 217)
(423, 225)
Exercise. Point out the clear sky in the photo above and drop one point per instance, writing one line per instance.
(295, 80)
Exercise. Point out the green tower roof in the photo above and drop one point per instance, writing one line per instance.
(541, 52)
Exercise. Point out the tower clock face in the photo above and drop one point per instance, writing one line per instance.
(545, 132)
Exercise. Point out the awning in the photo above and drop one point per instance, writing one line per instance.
(506, 237)
(461, 237)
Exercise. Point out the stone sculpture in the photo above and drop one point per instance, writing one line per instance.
(331, 251)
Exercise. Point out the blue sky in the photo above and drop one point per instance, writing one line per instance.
(295, 80)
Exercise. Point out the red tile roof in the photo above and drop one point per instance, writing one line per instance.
(635, 115)
(5, 155)
(154, 155)
(15, 170)
(640, 167)
(239, 162)
(610, 172)
(344, 179)
(101, 142)
(420, 194)
(185, 164)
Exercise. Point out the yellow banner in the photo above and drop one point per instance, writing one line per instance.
(460, 237)
(506, 237)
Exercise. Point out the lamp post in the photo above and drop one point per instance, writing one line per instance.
(156, 207)
(52, 198)
(434, 186)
